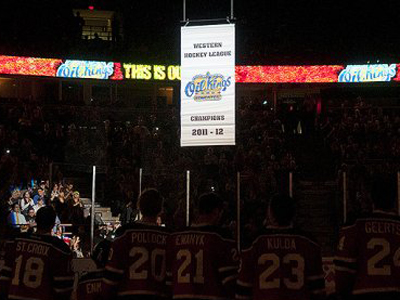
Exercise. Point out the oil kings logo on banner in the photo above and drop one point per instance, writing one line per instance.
(368, 73)
(85, 69)
(207, 87)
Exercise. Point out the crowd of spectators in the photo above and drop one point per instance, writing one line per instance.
(263, 157)
(37, 134)
(21, 207)
(33, 136)
(364, 139)
(362, 131)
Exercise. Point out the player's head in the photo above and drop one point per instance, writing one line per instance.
(150, 203)
(211, 206)
(281, 210)
(45, 218)
(100, 253)
(383, 191)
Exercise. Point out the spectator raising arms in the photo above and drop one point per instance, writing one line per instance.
(75, 247)
(27, 203)
(15, 197)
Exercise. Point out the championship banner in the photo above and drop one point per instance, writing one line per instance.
(208, 85)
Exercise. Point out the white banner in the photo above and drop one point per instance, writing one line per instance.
(208, 85)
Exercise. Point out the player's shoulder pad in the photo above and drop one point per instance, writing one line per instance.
(223, 233)
(375, 217)
(296, 232)
(138, 226)
(23, 235)
(124, 228)
(307, 235)
(385, 216)
(58, 244)
(96, 274)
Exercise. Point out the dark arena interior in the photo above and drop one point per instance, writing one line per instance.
(103, 150)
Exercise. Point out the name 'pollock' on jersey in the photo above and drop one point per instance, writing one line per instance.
(137, 264)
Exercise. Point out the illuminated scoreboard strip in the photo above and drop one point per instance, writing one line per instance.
(318, 74)
(51, 67)
(152, 72)
(85, 69)
(287, 74)
(29, 66)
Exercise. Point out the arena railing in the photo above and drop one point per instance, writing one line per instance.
(354, 187)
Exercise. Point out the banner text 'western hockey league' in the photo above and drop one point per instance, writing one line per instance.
(208, 85)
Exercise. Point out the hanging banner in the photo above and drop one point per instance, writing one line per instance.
(208, 85)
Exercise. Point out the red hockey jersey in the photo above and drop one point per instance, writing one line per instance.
(281, 264)
(39, 268)
(91, 286)
(137, 262)
(203, 264)
(368, 256)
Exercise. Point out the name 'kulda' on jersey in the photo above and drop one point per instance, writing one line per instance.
(281, 264)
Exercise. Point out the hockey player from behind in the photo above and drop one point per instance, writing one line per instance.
(38, 265)
(202, 260)
(91, 284)
(367, 262)
(137, 262)
(281, 263)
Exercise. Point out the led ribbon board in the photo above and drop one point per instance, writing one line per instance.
(50, 67)
(87, 69)
(368, 73)
(318, 73)
(151, 72)
(208, 85)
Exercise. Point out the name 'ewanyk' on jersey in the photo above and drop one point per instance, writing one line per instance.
(202, 263)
